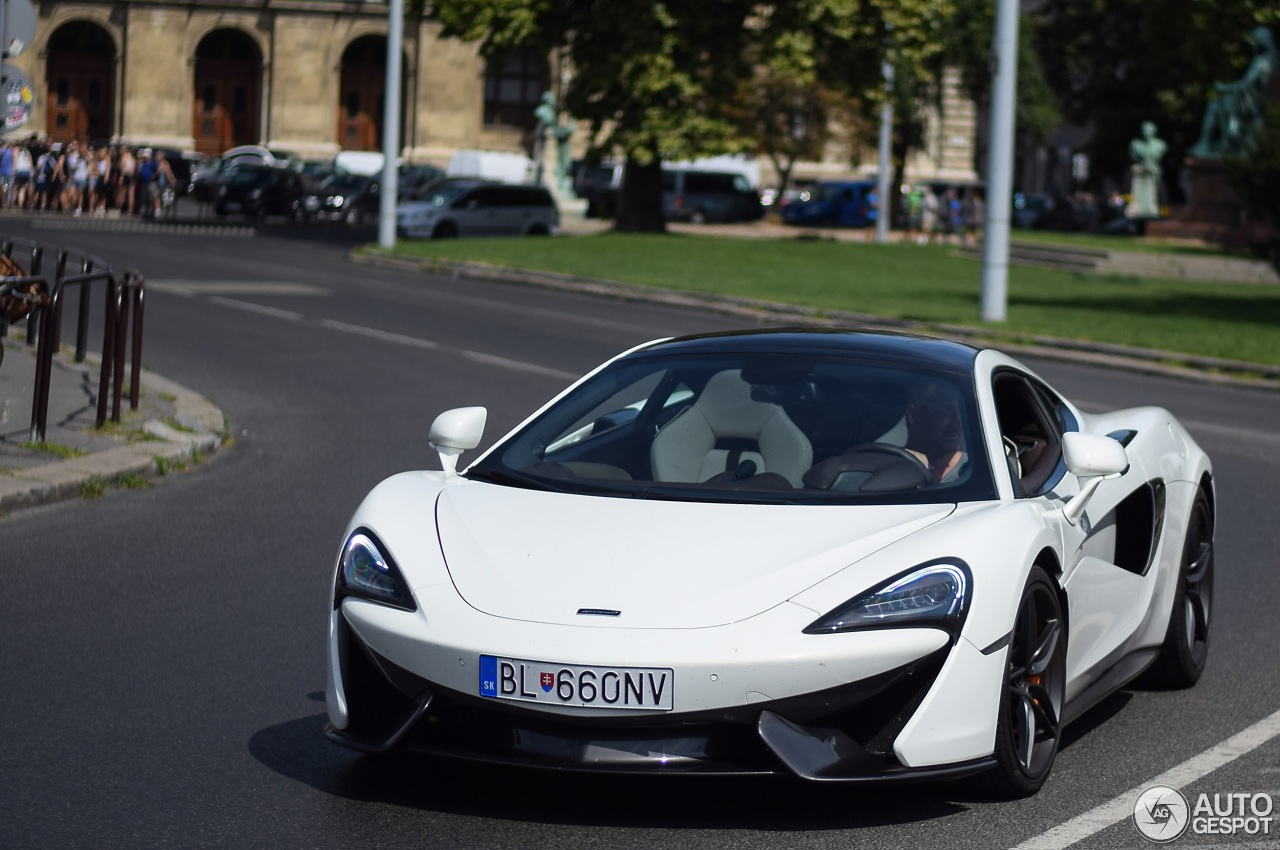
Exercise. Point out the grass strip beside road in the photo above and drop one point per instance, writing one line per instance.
(919, 283)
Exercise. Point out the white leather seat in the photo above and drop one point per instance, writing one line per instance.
(724, 427)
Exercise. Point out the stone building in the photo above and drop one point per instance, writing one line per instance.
(301, 75)
(308, 77)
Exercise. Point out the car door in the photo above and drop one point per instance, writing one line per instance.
(476, 212)
(1104, 570)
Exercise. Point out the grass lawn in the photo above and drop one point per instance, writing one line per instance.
(1238, 322)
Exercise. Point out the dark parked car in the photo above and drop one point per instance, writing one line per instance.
(258, 190)
(351, 198)
(598, 186)
(708, 196)
(833, 204)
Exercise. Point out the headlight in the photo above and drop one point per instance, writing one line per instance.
(364, 571)
(934, 595)
(336, 200)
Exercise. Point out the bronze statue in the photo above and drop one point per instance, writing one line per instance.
(1231, 118)
(1144, 190)
(547, 122)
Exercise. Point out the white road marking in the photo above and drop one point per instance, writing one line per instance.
(235, 287)
(287, 315)
(385, 336)
(518, 365)
(1121, 807)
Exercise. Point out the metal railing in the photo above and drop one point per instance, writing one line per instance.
(123, 296)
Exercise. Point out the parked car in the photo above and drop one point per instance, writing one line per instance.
(412, 178)
(598, 185)
(833, 555)
(708, 196)
(832, 203)
(467, 207)
(349, 198)
(257, 190)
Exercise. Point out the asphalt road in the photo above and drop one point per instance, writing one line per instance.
(160, 682)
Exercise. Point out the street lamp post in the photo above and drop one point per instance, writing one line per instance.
(390, 128)
(995, 247)
(886, 148)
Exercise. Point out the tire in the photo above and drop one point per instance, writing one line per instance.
(1029, 726)
(1186, 642)
(445, 230)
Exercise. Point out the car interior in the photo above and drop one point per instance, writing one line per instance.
(783, 427)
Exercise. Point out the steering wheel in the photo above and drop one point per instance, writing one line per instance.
(878, 467)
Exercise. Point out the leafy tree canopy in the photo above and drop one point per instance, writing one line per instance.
(662, 80)
(1117, 63)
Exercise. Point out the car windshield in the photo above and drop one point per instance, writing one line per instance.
(755, 428)
(345, 183)
(248, 176)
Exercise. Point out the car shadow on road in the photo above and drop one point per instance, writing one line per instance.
(298, 750)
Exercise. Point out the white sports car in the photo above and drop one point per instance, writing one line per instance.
(841, 555)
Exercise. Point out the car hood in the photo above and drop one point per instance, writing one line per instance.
(543, 557)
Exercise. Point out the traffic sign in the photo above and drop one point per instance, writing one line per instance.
(18, 96)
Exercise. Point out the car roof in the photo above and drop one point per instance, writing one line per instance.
(875, 345)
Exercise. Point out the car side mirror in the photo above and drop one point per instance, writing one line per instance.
(1091, 458)
(454, 432)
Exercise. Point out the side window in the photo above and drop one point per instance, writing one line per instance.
(1032, 437)
(476, 199)
(617, 410)
(740, 183)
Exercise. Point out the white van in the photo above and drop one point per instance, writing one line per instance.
(491, 165)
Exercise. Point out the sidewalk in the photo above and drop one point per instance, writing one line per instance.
(171, 428)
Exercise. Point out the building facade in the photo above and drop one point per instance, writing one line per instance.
(308, 77)
(302, 75)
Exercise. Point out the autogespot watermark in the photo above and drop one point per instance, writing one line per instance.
(1163, 814)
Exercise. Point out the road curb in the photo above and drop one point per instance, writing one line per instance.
(200, 430)
(1147, 361)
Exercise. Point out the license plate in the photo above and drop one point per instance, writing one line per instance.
(576, 685)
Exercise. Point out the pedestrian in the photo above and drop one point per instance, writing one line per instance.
(22, 166)
(929, 216)
(77, 170)
(125, 181)
(977, 217)
(915, 212)
(872, 211)
(6, 175)
(955, 217)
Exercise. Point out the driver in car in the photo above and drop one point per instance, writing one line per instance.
(935, 430)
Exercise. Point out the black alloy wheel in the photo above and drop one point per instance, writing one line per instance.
(1186, 643)
(1029, 727)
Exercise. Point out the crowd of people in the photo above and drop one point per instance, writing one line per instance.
(78, 179)
(954, 216)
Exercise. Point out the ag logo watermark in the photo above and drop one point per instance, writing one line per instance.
(1162, 814)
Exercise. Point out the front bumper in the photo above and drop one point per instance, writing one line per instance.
(842, 733)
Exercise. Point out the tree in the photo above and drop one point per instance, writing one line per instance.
(1255, 175)
(969, 47)
(660, 80)
(1117, 63)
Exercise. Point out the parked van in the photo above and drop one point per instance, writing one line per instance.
(833, 204)
(469, 207)
(708, 196)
